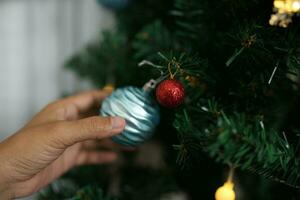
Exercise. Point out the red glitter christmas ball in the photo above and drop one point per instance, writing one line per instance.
(170, 93)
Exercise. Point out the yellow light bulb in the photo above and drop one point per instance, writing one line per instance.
(279, 4)
(225, 192)
(296, 6)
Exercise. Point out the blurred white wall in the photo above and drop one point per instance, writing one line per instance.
(36, 37)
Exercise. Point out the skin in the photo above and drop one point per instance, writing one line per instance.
(63, 135)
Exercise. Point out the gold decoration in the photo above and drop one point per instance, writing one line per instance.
(193, 80)
(109, 87)
(284, 11)
(247, 43)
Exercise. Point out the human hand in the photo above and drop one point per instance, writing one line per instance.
(58, 138)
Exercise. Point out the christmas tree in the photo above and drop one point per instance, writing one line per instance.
(241, 83)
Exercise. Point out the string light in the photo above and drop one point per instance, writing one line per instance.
(296, 6)
(284, 11)
(226, 192)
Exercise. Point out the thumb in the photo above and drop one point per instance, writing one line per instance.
(70, 132)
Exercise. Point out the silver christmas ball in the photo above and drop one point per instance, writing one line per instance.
(139, 110)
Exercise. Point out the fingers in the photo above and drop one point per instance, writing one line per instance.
(85, 101)
(106, 144)
(94, 157)
(100, 144)
(109, 144)
(91, 145)
(71, 108)
(70, 132)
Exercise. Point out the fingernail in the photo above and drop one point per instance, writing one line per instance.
(118, 122)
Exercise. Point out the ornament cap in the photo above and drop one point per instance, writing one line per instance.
(151, 85)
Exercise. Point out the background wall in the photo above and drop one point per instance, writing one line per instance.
(36, 37)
